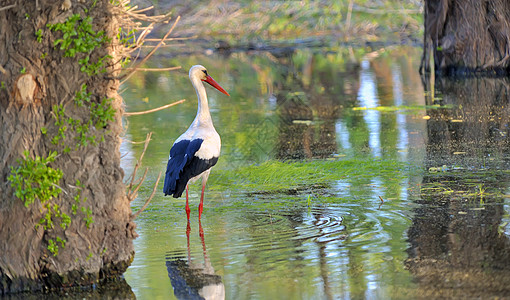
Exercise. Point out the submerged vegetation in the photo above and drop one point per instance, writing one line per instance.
(466, 185)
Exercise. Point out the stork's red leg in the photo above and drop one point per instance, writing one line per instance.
(187, 205)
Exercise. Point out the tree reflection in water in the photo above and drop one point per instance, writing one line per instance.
(457, 246)
(309, 101)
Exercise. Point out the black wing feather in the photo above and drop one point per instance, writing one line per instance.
(184, 165)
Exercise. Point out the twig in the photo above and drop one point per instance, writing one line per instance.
(131, 142)
(349, 13)
(164, 46)
(7, 7)
(173, 39)
(126, 77)
(133, 193)
(155, 69)
(142, 9)
(387, 11)
(58, 186)
(139, 161)
(136, 113)
(134, 216)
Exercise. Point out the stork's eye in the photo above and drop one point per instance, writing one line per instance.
(205, 72)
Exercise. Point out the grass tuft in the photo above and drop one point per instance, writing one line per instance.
(275, 176)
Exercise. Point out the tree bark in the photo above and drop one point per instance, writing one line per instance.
(35, 76)
(467, 37)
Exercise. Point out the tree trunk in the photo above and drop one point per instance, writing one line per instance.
(41, 89)
(467, 37)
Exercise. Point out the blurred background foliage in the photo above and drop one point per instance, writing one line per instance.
(247, 23)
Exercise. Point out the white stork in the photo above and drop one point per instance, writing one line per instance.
(197, 150)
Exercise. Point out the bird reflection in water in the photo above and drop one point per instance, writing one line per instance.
(191, 279)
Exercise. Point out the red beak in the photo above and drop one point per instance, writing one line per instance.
(211, 81)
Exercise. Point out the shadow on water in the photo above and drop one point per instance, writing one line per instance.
(192, 280)
(459, 244)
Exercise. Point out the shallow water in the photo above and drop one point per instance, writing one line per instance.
(433, 223)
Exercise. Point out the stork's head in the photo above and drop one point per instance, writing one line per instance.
(200, 72)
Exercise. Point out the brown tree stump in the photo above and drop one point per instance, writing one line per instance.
(466, 37)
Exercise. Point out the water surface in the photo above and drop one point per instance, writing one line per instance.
(421, 212)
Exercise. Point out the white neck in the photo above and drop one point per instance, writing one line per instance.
(203, 115)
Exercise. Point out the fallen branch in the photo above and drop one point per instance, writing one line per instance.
(137, 113)
(373, 11)
(140, 10)
(173, 39)
(134, 216)
(7, 7)
(164, 46)
(155, 69)
(349, 14)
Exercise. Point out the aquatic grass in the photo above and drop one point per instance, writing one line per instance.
(277, 176)
(403, 108)
(466, 185)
